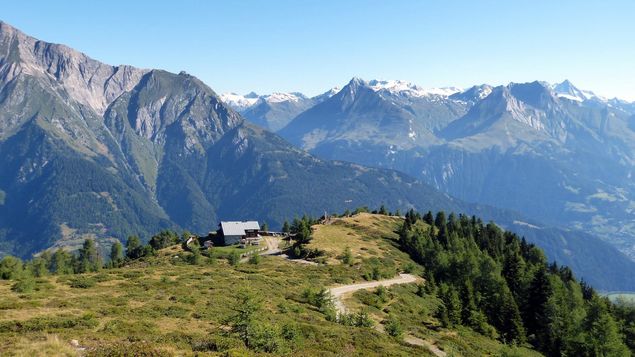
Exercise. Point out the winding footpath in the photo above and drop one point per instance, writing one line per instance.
(340, 291)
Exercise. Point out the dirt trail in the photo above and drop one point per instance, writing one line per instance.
(339, 291)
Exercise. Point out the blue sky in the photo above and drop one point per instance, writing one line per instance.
(310, 46)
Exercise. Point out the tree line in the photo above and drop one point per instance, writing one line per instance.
(502, 286)
(87, 259)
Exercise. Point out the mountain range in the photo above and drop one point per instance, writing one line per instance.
(555, 153)
(273, 111)
(90, 150)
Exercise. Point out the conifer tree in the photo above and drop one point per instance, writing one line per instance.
(537, 317)
(89, 259)
(428, 218)
(116, 255)
(439, 220)
(61, 262)
(134, 249)
(602, 336)
(285, 227)
(10, 267)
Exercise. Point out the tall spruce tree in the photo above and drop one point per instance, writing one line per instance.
(116, 255)
(89, 259)
(134, 249)
(61, 262)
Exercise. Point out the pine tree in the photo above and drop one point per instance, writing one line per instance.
(602, 336)
(452, 303)
(61, 262)
(428, 218)
(303, 236)
(89, 259)
(536, 316)
(511, 329)
(163, 239)
(285, 227)
(116, 254)
(246, 309)
(38, 266)
(10, 267)
(134, 249)
(439, 221)
(514, 271)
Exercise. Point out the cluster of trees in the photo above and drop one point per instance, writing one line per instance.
(498, 284)
(364, 209)
(300, 231)
(87, 259)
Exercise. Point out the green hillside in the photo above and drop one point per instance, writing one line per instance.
(176, 302)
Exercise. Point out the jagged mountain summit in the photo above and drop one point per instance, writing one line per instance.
(554, 152)
(567, 90)
(389, 114)
(273, 111)
(89, 150)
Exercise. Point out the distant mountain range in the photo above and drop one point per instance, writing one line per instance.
(558, 154)
(89, 150)
(273, 111)
(92, 150)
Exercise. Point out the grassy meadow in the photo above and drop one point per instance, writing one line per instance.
(162, 305)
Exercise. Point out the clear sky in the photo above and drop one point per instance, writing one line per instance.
(310, 46)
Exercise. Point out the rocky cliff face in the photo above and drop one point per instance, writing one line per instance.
(89, 150)
(71, 73)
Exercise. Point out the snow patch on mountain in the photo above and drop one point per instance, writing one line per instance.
(239, 102)
(403, 88)
(282, 97)
(484, 91)
(244, 102)
(326, 95)
(567, 90)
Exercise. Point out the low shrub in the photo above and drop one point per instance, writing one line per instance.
(129, 327)
(47, 323)
(24, 285)
(393, 327)
(82, 282)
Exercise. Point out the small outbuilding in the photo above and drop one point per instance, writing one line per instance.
(233, 232)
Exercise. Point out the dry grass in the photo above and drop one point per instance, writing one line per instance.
(173, 307)
(366, 235)
(43, 346)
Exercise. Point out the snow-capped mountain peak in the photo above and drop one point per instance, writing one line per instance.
(326, 95)
(283, 97)
(244, 102)
(239, 102)
(403, 88)
(567, 90)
